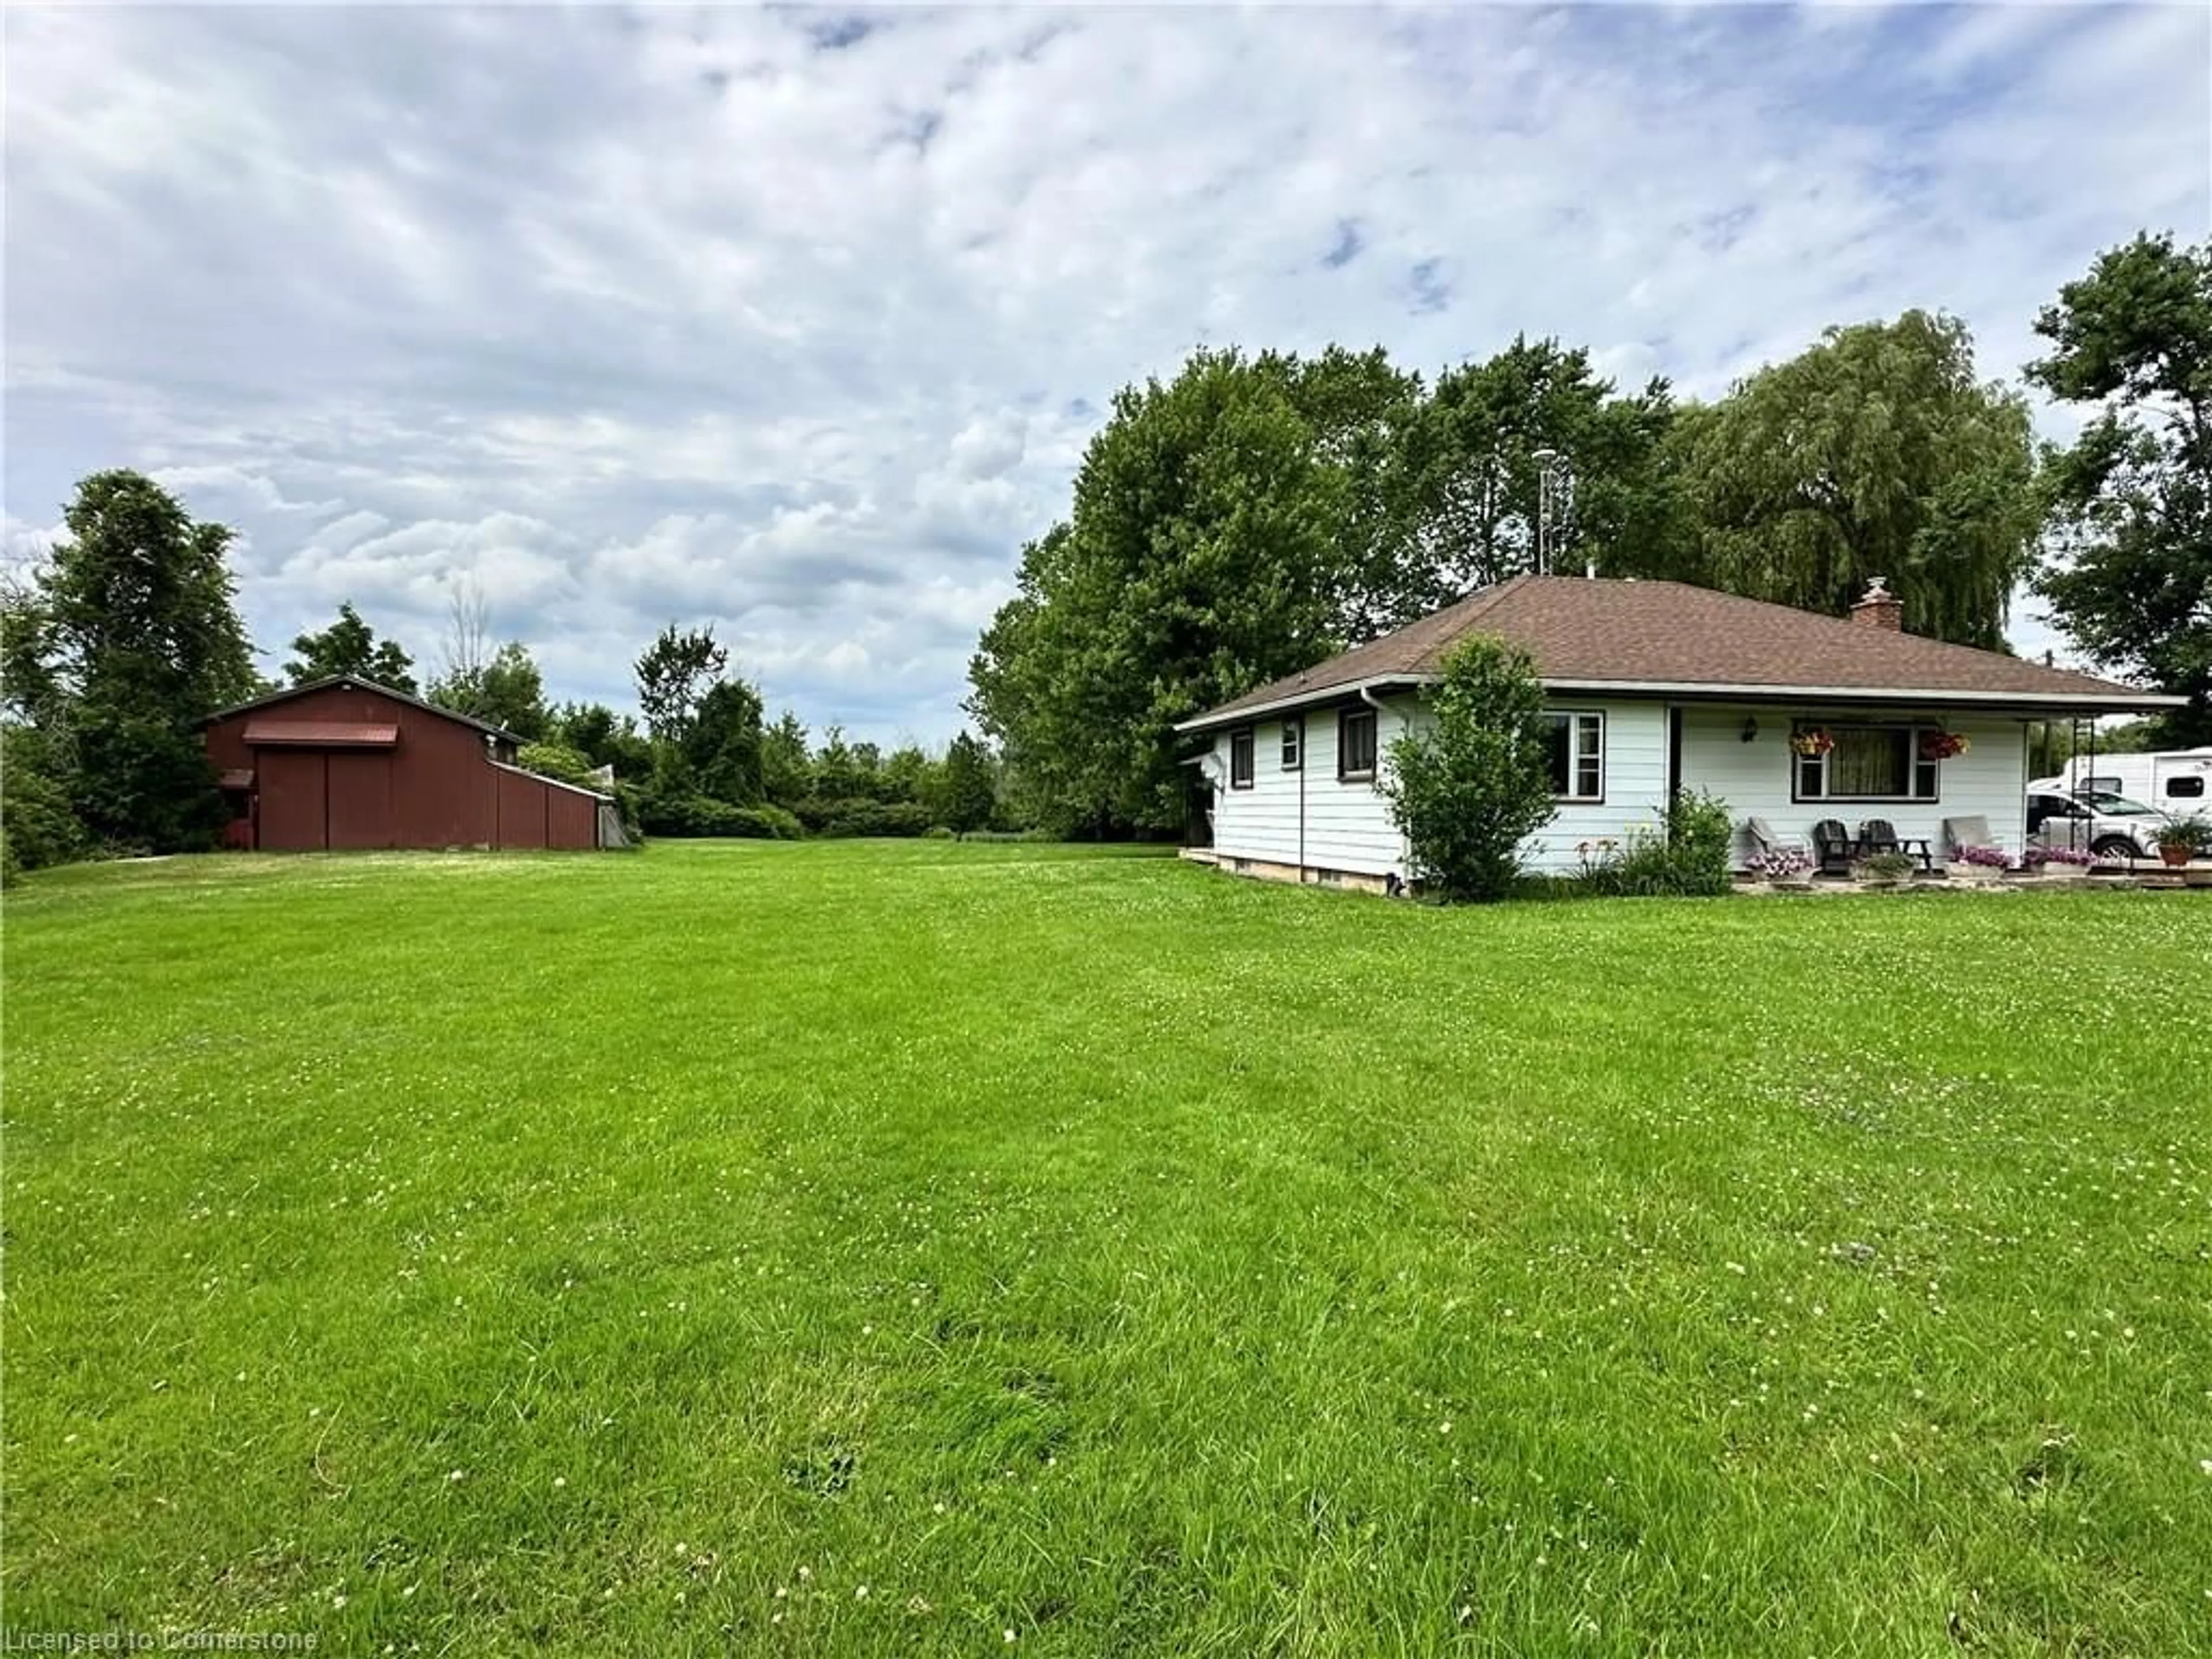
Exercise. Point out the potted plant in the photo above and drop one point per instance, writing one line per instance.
(1884, 870)
(2181, 839)
(1783, 868)
(1980, 864)
(1943, 745)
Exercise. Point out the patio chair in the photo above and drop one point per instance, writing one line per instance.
(1880, 836)
(1765, 839)
(1833, 849)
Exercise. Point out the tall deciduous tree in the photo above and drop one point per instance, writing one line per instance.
(349, 646)
(1205, 555)
(2131, 499)
(785, 775)
(721, 743)
(603, 736)
(508, 690)
(967, 791)
(1875, 452)
(673, 675)
(136, 637)
(1473, 499)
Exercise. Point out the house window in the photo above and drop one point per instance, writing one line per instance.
(1578, 755)
(1863, 763)
(1240, 759)
(1294, 743)
(1355, 745)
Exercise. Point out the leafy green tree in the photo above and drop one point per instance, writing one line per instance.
(1469, 789)
(509, 691)
(2131, 500)
(967, 791)
(1205, 555)
(1470, 498)
(605, 738)
(836, 776)
(721, 743)
(134, 637)
(785, 772)
(908, 775)
(349, 647)
(1875, 452)
(38, 824)
(675, 672)
(28, 689)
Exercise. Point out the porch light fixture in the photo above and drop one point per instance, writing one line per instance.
(1750, 727)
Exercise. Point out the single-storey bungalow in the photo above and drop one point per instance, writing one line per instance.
(345, 763)
(1653, 687)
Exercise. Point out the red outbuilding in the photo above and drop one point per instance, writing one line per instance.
(345, 763)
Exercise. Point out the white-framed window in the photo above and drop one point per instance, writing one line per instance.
(1576, 752)
(1241, 745)
(1867, 762)
(1355, 745)
(1294, 743)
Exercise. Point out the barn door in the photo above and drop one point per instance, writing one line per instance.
(361, 799)
(294, 817)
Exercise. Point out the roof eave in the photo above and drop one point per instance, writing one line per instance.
(2115, 699)
(1214, 719)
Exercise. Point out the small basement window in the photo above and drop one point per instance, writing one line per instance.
(1240, 759)
(1355, 745)
(1578, 755)
(1294, 743)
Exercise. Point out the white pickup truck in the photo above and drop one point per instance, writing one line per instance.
(2094, 821)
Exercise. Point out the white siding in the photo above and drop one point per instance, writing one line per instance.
(1307, 818)
(1989, 780)
(1347, 826)
(1635, 788)
(1336, 826)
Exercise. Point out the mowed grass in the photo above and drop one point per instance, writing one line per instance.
(872, 1249)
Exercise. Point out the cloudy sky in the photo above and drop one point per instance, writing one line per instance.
(796, 321)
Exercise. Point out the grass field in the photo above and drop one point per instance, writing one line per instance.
(865, 1248)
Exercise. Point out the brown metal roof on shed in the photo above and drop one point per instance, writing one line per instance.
(345, 763)
(320, 734)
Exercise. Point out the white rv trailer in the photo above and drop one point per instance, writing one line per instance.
(2176, 780)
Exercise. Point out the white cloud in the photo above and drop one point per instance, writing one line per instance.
(642, 316)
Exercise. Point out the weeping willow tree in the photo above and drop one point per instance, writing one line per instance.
(1875, 452)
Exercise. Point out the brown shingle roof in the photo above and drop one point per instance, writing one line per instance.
(1652, 634)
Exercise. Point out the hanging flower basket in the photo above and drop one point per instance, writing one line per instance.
(1813, 742)
(1942, 745)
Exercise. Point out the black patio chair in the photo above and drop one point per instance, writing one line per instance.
(1880, 836)
(1833, 849)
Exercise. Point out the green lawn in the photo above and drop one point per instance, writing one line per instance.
(861, 1248)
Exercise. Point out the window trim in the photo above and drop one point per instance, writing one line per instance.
(1345, 717)
(1292, 753)
(1572, 716)
(1915, 764)
(1247, 737)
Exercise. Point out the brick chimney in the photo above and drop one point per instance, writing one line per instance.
(1880, 609)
